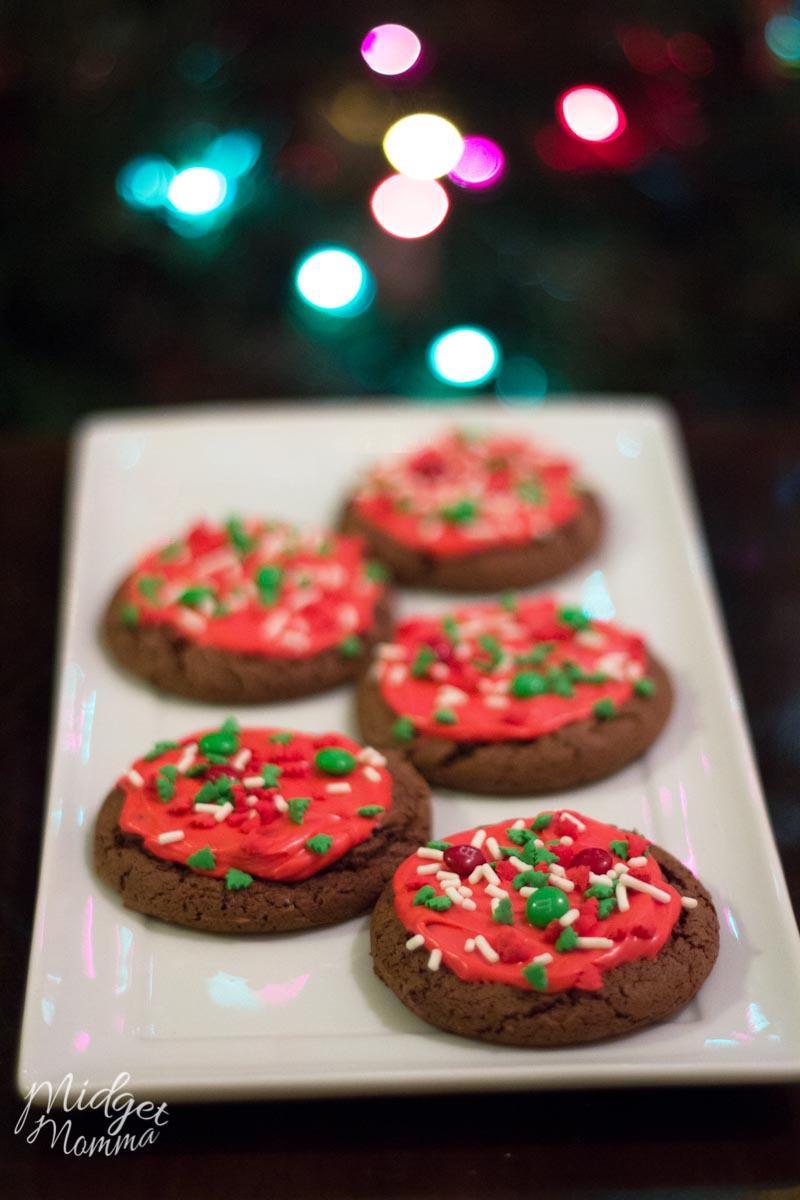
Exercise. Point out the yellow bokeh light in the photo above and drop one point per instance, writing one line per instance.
(423, 146)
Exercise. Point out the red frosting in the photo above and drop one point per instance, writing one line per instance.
(639, 932)
(465, 493)
(257, 587)
(260, 834)
(464, 676)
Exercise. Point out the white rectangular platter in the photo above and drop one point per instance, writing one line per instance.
(197, 1016)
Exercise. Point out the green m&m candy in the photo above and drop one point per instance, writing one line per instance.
(335, 761)
(527, 684)
(220, 742)
(545, 905)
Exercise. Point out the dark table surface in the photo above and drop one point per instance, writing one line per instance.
(669, 1142)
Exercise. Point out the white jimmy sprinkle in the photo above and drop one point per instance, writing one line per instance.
(469, 945)
(593, 943)
(438, 671)
(556, 869)
(564, 885)
(450, 876)
(465, 891)
(304, 598)
(430, 869)
(527, 891)
(450, 697)
(490, 874)
(347, 615)
(415, 942)
(135, 778)
(488, 952)
(187, 758)
(639, 861)
(605, 880)
(579, 825)
(520, 824)
(206, 808)
(567, 840)
(620, 868)
(543, 958)
(496, 701)
(338, 789)
(478, 838)
(372, 774)
(253, 781)
(251, 801)
(294, 640)
(174, 835)
(389, 651)
(569, 917)
(519, 864)
(614, 664)
(223, 811)
(396, 674)
(371, 756)
(435, 960)
(621, 893)
(538, 843)
(493, 890)
(454, 895)
(462, 652)
(469, 905)
(477, 875)
(688, 902)
(493, 903)
(240, 760)
(430, 852)
(281, 804)
(492, 847)
(274, 623)
(253, 813)
(591, 637)
(640, 886)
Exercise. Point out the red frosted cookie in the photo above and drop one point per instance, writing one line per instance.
(475, 513)
(252, 830)
(519, 697)
(249, 612)
(544, 932)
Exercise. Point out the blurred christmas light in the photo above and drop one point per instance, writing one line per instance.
(145, 182)
(336, 281)
(196, 191)
(360, 113)
(782, 35)
(521, 380)
(481, 164)
(691, 54)
(409, 208)
(423, 146)
(646, 50)
(234, 153)
(464, 357)
(591, 114)
(391, 49)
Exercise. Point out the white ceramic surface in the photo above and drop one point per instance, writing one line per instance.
(191, 1015)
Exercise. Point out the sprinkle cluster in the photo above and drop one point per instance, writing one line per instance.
(514, 669)
(468, 491)
(548, 904)
(239, 804)
(259, 586)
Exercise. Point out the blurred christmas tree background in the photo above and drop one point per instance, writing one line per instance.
(662, 256)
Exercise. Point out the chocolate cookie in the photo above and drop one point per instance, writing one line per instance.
(249, 613)
(474, 514)
(537, 1009)
(329, 855)
(515, 703)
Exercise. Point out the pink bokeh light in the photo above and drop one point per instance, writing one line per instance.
(591, 114)
(480, 165)
(409, 208)
(391, 49)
